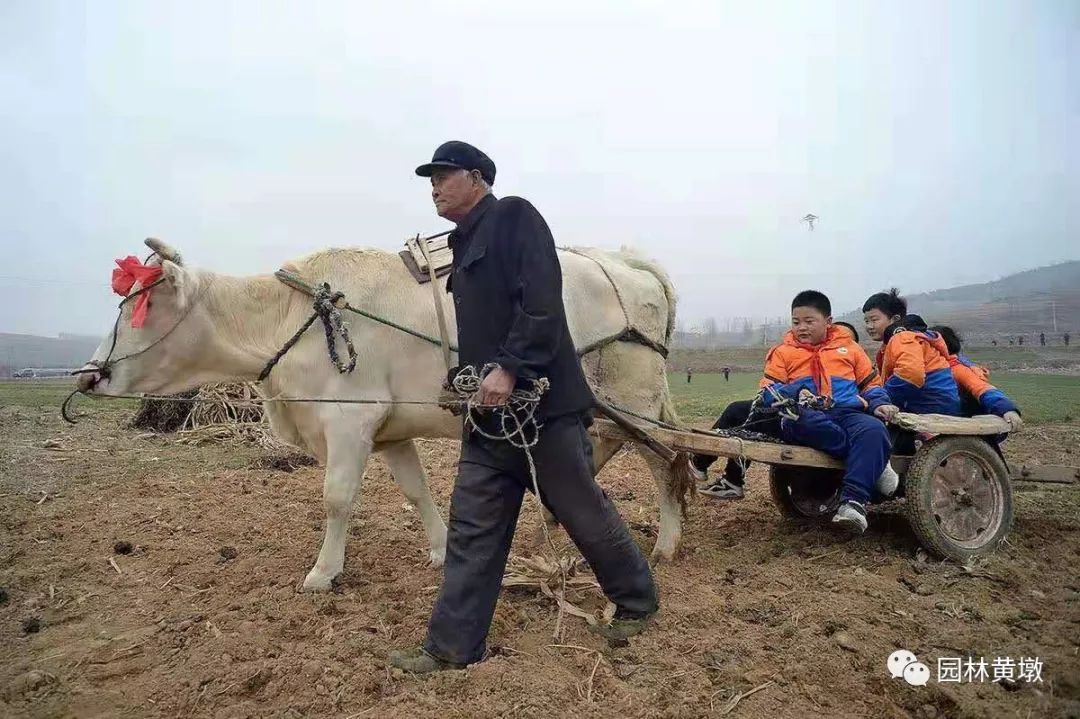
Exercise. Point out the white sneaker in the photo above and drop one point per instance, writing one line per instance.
(723, 489)
(888, 482)
(851, 516)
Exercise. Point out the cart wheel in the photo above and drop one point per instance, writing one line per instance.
(959, 499)
(805, 492)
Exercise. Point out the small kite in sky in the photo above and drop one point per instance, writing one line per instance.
(810, 219)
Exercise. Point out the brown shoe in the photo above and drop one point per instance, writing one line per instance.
(418, 661)
(622, 628)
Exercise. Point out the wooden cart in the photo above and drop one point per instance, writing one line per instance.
(957, 487)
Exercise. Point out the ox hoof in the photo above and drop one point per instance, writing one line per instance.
(663, 553)
(318, 582)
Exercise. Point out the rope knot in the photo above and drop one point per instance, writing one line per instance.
(324, 307)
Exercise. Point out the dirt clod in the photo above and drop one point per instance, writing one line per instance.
(846, 641)
(27, 683)
(228, 553)
(123, 547)
(32, 625)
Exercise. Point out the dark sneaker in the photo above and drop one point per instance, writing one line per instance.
(623, 627)
(851, 516)
(418, 661)
(723, 489)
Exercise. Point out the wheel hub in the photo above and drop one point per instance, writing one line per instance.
(965, 500)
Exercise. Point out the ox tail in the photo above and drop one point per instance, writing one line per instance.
(681, 485)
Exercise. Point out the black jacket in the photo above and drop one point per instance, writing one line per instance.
(507, 287)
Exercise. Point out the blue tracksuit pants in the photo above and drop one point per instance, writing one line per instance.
(858, 438)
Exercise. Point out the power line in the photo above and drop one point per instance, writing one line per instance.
(44, 281)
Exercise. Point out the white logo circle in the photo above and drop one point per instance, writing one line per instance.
(898, 661)
(917, 674)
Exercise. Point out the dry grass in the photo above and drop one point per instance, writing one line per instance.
(222, 413)
(223, 404)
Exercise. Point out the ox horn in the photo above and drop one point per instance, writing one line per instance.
(164, 250)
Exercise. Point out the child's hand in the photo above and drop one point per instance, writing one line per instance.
(1014, 420)
(887, 412)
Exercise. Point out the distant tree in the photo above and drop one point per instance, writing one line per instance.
(709, 325)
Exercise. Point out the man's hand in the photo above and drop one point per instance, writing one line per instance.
(1014, 420)
(887, 412)
(496, 388)
(805, 395)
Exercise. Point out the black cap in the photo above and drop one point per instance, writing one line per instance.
(462, 156)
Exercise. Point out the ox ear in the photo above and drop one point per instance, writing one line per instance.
(178, 279)
(164, 250)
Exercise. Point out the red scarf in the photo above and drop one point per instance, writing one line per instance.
(129, 271)
(817, 367)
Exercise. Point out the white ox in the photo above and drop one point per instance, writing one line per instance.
(205, 327)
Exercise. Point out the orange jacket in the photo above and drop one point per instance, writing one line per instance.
(836, 368)
(916, 372)
(973, 380)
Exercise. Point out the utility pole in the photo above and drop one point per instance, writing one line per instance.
(1053, 311)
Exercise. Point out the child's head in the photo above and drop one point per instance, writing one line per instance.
(881, 310)
(850, 328)
(914, 322)
(811, 315)
(952, 340)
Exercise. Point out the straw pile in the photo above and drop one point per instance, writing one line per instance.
(158, 415)
(222, 413)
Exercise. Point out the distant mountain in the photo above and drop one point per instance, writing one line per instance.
(1044, 300)
(20, 351)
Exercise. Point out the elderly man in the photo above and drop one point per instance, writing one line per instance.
(507, 287)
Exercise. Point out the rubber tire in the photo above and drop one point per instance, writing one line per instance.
(917, 483)
(787, 480)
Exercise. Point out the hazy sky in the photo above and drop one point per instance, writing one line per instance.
(939, 143)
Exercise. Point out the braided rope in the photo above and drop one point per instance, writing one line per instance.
(324, 308)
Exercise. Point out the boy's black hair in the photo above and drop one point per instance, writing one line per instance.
(952, 340)
(815, 299)
(890, 303)
(850, 327)
(914, 322)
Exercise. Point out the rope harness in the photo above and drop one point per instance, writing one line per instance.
(325, 308)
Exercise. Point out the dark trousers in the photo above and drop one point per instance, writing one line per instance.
(734, 416)
(858, 438)
(491, 483)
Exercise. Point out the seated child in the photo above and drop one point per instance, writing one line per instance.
(977, 395)
(818, 360)
(912, 360)
(850, 328)
(731, 484)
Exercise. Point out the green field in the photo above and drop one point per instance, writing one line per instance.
(45, 393)
(1042, 397)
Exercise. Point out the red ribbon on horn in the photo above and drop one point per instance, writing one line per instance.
(129, 271)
